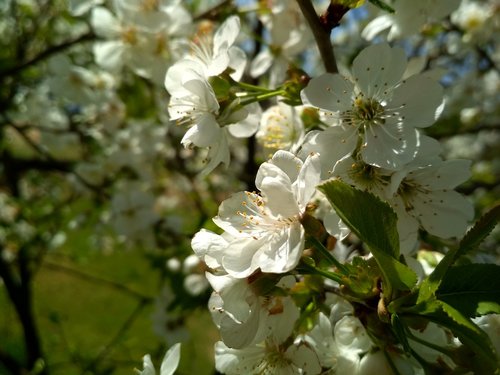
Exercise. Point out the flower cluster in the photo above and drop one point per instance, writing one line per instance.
(357, 179)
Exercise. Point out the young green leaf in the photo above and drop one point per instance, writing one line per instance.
(470, 242)
(373, 221)
(399, 330)
(382, 5)
(473, 289)
(469, 333)
(481, 229)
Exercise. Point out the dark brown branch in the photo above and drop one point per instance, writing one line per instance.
(19, 289)
(46, 54)
(469, 188)
(321, 32)
(215, 11)
(10, 363)
(454, 132)
(47, 157)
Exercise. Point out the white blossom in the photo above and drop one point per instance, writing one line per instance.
(168, 365)
(409, 17)
(376, 104)
(266, 229)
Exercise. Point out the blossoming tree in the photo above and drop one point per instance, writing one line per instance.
(350, 146)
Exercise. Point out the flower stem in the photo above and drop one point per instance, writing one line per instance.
(250, 87)
(259, 97)
(311, 270)
(328, 256)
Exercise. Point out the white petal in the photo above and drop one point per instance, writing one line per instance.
(240, 335)
(261, 63)
(238, 361)
(237, 61)
(445, 214)
(418, 101)
(407, 227)
(171, 360)
(332, 144)
(180, 73)
(304, 358)
(226, 34)
(389, 145)
(105, 23)
(217, 154)
(206, 132)
(209, 247)
(276, 188)
(377, 68)
(110, 55)
(334, 225)
(309, 177)
(376, 26)
(350, 335)
(281, 314)
(446, 175)
(149, 369)
(249, 125)
(235, 211)
(241, 260)
(288, 163)
(201, 89)
(330, 92)
(284, 251)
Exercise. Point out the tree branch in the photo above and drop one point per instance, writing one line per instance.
(321, 32)
(46, 54)
(20, 293)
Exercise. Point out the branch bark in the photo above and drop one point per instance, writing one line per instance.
(321, 32)
(19, 289)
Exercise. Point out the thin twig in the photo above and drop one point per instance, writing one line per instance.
(47, 157)
(46, 54)
(321, 35)
(118, 336)
(213, 12)
(97, 280)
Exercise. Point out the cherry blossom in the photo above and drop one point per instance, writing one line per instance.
(379, 105)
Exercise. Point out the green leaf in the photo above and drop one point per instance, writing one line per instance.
(362, 279)
(382, 5)
(399, 275)
(470, 242)
(481, 229)
(374, 222)
(399, 330)
(473, 289)
(462, 327)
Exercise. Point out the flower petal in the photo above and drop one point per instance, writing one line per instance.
(378, 68)
(418, 101)
(171, 360)
(443, 213)
(389, 145)
(330, 92)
